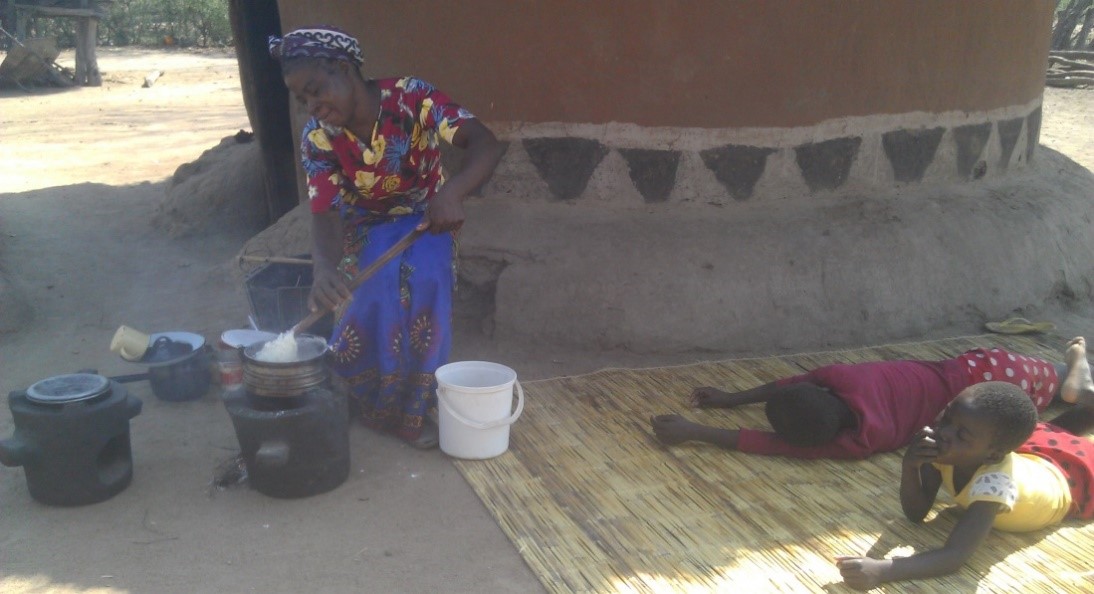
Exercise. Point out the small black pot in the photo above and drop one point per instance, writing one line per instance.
(178, 366)
(185, 379)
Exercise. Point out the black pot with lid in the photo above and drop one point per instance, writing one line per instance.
(178, 366)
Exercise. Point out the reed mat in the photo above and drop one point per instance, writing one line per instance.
(594, 503)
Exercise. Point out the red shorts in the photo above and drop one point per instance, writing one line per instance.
(1036, 377)
(1074, 456)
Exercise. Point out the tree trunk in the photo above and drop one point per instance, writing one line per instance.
(1085, 30)
(266, 100)
(1066, 21)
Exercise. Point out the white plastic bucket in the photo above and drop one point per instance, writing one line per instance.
(475, 408)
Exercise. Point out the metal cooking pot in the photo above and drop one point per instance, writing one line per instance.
(187, 378)
(178, 366)
(291, 379)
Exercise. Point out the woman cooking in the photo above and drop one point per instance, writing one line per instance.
(371, 151)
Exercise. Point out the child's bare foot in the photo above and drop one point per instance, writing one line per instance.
(708, 397)
(1078, 387)
(673, 429)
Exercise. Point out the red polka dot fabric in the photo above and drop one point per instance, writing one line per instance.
(1036, 377)
(1074, 456)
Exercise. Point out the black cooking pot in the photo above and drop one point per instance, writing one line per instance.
(178, 366)
(188, 378)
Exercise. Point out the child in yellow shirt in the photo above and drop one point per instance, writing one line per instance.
(1006, 469)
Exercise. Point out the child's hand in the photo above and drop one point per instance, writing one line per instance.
(922, 450)
(672, 429)
(862, 573)
(704, 397)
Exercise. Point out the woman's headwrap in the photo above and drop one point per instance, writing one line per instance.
(317, 42)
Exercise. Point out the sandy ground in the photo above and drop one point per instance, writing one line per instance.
(83, 172)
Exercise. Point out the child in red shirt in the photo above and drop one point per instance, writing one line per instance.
(851, 411)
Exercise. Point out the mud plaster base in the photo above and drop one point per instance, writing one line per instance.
(808, 270)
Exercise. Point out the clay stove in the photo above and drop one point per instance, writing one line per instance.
(72, 438)
(293, 430)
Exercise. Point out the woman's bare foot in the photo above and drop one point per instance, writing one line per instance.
(1078, 387)
(673, 429)
(707, 397)
(429, 437)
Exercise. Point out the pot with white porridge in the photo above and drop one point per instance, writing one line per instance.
(293, 429)
(286, 366)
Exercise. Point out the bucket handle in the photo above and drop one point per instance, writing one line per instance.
(441, 396)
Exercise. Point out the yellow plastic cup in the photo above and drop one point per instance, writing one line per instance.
(129, 343)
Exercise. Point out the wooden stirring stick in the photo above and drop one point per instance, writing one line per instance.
(361, 277)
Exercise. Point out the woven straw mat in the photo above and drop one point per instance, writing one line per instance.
(595, 504)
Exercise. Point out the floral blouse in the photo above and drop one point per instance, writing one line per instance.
(396, 171)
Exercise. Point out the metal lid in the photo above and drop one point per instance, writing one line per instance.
(73, 387)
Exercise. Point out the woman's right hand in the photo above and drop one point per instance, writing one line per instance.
(328, 289)
(922, 450)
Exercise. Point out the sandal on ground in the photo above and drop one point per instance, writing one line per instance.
(1019, 326)
(429, 439)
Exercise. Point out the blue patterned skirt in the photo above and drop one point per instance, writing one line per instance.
(397, 329)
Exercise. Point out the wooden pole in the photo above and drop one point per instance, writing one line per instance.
(94, 77)
(81, 59)
(361, 277)
(274, 260)
(87, 65)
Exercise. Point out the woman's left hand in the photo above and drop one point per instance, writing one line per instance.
(445, 213)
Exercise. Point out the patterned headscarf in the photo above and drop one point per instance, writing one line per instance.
(317, 42)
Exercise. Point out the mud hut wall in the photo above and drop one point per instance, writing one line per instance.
(709, 64)
(721, 101)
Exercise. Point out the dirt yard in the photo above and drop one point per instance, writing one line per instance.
(94, 217)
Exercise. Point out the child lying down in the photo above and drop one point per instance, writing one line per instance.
(851, 411)
(1003, 467)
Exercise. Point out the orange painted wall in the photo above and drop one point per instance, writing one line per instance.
(713, 63)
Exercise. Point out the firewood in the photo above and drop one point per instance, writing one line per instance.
(1074, 81)
(1070, 74)
(1073, 54)
(1065, 63)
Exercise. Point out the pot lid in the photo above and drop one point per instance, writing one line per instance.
(73, 387)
